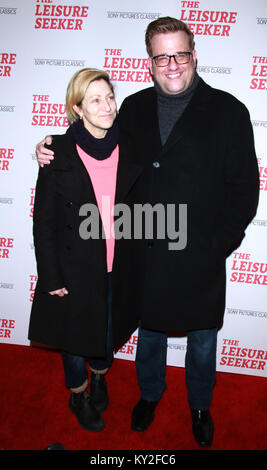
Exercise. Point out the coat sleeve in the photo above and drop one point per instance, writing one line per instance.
(241, 181)
(45, 231)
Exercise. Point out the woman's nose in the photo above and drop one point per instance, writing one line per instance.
(107, 105)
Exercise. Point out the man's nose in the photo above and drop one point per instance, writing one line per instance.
(173, 64)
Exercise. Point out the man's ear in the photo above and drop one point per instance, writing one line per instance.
(150, 65)
(194, 55)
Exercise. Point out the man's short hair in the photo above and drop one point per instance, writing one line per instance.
(166, 24)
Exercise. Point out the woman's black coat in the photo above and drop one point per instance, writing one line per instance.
(209, 164)
(77, 322)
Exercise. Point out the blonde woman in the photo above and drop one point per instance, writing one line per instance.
(72, 304)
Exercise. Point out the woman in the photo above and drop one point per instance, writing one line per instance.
(72, 304)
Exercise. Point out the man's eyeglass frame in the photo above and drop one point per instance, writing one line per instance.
(175, 56)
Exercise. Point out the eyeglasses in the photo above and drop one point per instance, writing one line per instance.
(180, 58)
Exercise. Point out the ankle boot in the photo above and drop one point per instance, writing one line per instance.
(88, 417)
(203, 427)
(98, 392)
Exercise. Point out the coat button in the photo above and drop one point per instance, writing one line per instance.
(69, 204)
(156, 164)
(69, 226)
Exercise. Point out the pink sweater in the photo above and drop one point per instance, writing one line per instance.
(103, 174)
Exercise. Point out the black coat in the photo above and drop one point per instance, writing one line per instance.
(209, 164)
(77, 322)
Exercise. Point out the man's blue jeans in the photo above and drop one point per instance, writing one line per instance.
(200, 365)
(75, 366)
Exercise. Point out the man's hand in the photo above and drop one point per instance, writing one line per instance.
(59, 292)
(44, 155)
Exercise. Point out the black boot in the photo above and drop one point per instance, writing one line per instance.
(98, 392)
(143, 414)
(88, 417)
(202, 427)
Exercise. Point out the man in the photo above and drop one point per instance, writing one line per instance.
(195, 145)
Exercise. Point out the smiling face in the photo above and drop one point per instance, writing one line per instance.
(173, 78)
(98, 109)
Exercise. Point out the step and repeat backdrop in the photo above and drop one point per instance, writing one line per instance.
(43, 43)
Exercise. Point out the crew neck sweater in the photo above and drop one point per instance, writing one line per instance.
(103, 175)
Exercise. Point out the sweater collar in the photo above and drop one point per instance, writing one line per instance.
(167, 99)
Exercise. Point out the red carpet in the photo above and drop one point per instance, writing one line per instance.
(34, 409)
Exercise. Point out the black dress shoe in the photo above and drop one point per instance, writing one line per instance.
(56, 446)
(98, 392)
(88, 417)
(202, 427)
(143, 414)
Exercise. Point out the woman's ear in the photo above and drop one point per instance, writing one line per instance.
(77, 110)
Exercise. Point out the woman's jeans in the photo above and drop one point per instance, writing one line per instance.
(200, 365)
(75, 367)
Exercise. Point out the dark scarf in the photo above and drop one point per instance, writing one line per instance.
(100, 149)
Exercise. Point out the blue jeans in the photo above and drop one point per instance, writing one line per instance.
(75, 368)
(200, 365)
(150, 362)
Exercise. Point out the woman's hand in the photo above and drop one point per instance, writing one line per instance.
(59, 292)
(44, 155)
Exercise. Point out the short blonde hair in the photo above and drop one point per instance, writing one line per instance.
(77, 88)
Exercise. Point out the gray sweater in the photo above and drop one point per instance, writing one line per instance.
(171, 107)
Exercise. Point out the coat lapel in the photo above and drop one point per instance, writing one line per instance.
(127, 174)
(192, 116)
(128, 170)
(76, 183)
(150, 138)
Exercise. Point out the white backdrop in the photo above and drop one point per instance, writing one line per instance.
(43, 43)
